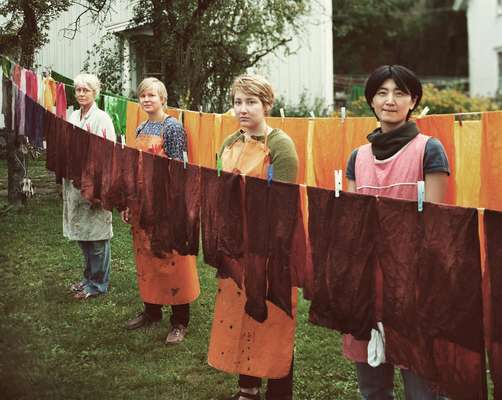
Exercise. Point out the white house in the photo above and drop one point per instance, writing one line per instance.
(310, 69)
(484, 26)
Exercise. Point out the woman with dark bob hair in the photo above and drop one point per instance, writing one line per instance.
(396, 157)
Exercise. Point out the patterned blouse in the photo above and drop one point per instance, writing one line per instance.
(175, 142)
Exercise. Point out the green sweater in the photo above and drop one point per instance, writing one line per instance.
(282, 153)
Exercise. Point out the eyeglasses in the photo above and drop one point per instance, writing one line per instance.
(82, 90)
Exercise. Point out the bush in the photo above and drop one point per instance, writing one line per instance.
(445, 101)
(302, 109)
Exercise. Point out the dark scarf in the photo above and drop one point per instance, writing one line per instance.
(385, 145)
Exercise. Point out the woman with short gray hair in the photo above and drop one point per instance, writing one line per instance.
(88, 224)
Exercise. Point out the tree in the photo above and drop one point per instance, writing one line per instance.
(368, 33)
(204, 44)
(21, 35)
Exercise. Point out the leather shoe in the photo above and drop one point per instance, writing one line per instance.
(140, 321)
(176, 335)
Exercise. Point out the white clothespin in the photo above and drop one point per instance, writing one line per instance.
(281, 110)
(200, 109)
(44, 144)
(343, 113)
(424, 112)
(123, 141)
(28, 189)
(420, 195)
(312, 115)
(185, 159)
(338, 182)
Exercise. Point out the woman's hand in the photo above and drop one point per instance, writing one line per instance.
(125, 215)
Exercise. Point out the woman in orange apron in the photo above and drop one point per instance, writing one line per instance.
(238, 343)
(173, 279)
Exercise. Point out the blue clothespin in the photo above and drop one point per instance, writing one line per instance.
(270, 173)
(219, 164)
(185, 159)
(420, 195)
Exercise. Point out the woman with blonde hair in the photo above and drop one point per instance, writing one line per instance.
(172, 279)
(88, 224)
(249, 151)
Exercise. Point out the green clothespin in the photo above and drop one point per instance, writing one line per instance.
(420, 195)
(219, 164)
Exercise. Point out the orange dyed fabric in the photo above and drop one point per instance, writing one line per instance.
(326, 142)
(467, 168)
(191, 123)
(442, 127)
(207, 150)
(491, 160)
(297, 129)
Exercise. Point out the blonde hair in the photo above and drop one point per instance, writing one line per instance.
(156, 85)
(90, 80)
(255, 85)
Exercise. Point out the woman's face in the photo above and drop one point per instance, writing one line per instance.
(150, 101)
(391, 104)
(249, 110)
(85, 95)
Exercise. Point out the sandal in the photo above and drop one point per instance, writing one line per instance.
(83, 295)
(245, 396)
(77, 286)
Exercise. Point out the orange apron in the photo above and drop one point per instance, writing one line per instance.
(238, 343)
(169, 280)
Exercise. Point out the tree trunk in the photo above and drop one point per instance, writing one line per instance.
(15, 157)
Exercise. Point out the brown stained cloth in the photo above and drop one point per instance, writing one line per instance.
(342, 234)
(432, 305)
(120, 190)
(78, 147)
(50, 137)
(273, 215)
(97, 166)
(178, 220)
(493, 247)
(222, 222)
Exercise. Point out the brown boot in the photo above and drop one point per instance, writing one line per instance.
(140, 321)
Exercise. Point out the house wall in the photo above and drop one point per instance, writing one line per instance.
(484, 24)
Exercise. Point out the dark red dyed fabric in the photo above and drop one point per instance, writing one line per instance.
(98, 163)
(432, 304)
(493, 243)
(222, 222)
(120, 190)
(78, 148)
(343, 235)
(50, 136)
(272, 218)
(178, 218)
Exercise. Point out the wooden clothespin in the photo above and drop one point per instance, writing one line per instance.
(338, 182)
(270, 173)
(460, 122)
(185, 159)
(343, 114)
(219, 164)
(420, 195)
(180, 117)
(424, 112)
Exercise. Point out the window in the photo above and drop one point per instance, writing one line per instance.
(499, 8)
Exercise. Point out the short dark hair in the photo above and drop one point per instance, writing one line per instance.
(405, 79)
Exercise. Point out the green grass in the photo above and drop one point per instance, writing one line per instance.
(55, 347)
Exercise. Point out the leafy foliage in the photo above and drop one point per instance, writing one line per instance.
(303, 109)
(204, 44)
(439, 101)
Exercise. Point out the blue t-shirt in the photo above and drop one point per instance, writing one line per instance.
(435, 160)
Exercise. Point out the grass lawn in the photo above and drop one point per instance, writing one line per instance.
(55, 347)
